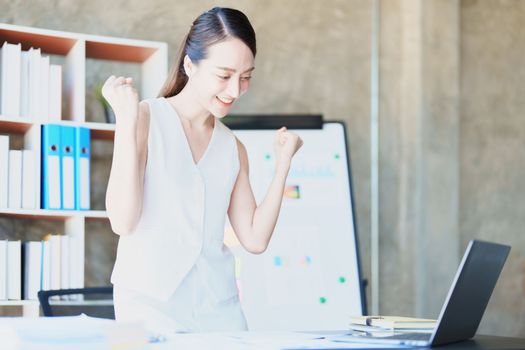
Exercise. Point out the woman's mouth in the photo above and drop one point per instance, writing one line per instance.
(224, 102)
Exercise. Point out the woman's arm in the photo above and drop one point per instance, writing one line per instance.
(254, 224)
(125, 187)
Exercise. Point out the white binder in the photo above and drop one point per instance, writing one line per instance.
(45, 273)
(14, 270)
(3, 269)
(32, 268)
(55, 92)
(64, 262)
(28, 179)
(55, 276)
(44, 89)
(11, 59)
(15, 180)
(34, 82)
(4, 170)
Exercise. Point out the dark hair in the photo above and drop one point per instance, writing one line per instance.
(209, 28)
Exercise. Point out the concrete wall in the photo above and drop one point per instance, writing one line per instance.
(451, 123)
(492, 146)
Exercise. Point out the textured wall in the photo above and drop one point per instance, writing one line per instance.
(492, 146)
(419, 119)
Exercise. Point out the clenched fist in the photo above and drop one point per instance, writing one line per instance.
(286, 144)
(123, 99)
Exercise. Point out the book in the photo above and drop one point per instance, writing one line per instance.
(82, 164)
(67, 166)
(28, 179)
(55, 274)
(14, 193)
(64, 264)
(32, 255)
(10, 71)
(43, 104)
(35, 67)
(14, 270)
(394, 322)
(51, 173)
(3, 269)
(55, 93)
(4, 170)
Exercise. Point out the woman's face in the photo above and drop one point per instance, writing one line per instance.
(220, 79)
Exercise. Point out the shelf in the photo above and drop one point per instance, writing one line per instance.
(19, 125)
(18, 302)
(98, 47)
(118, 52)
(51, 42)
(74, 51)
(52, 214)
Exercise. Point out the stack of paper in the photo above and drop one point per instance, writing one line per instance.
(391, 323)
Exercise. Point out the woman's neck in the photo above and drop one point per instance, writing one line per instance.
(189, 110)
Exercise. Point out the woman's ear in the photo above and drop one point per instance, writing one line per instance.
(188, 66)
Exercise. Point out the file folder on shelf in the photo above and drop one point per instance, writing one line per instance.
(10, 65)
(3, 269)
(4, 170)
(51, 172)
(45, 273)
(14, 270)
(15, 180)
(28, 179)
(32, 256)
(67, 156)
(83, 160)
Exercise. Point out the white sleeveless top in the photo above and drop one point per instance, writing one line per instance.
(181, 228)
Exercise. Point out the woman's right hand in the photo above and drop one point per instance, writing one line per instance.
(123, 99)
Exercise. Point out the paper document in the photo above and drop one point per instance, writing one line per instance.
(261, 340)
(72, 332)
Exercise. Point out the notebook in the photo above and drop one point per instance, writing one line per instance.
(465, 304)
(392, 322)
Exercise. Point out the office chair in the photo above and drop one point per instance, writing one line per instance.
(90, 302)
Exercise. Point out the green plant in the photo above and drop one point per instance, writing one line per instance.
(100, 97)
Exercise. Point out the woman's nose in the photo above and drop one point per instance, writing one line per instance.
(234, 88)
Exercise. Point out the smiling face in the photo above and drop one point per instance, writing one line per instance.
(220, 79)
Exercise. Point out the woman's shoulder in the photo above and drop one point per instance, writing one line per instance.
(150, 107)
(149, 103)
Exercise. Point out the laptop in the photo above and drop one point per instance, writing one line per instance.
(465, 303)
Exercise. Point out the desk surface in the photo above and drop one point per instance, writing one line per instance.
(486, 342)
(206, 341)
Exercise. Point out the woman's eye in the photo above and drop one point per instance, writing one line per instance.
(246, 78)
(223, 77)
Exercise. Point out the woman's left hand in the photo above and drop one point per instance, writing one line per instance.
(286, 144)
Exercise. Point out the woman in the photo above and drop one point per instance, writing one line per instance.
(176, 172)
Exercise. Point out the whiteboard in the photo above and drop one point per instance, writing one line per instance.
(309, 277)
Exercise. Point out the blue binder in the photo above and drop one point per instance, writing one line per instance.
(67, 157)
(83, 160)
(51, 169)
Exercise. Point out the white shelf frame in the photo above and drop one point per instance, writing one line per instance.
(76, 48)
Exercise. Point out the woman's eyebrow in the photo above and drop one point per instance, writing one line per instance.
(233, 70)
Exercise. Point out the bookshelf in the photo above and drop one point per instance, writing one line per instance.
(75, 49)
